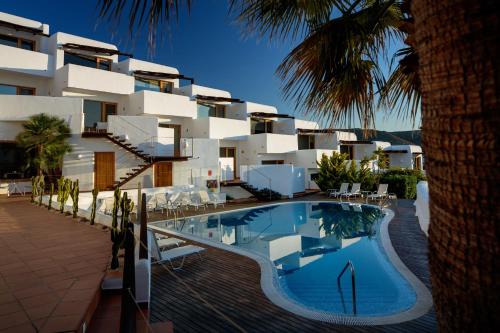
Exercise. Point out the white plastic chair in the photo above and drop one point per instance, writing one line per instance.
(355, 191)
(159, 256)
(344, 188)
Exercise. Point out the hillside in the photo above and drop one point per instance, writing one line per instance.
(395, 138)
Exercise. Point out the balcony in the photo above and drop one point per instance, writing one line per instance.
(73, 76)
(308, 158)
(271, 143)
(220, 128)
(164, 104)
(25, 61)
(20, 108)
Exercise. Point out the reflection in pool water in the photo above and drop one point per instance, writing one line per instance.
(309, 244)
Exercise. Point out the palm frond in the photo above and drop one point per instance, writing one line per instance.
(154, 13)
(284, 18)
(401, 93)
(334, 72)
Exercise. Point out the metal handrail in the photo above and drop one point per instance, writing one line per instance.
(353, 283)
(269, 179)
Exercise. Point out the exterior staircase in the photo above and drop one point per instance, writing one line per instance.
(148, 160)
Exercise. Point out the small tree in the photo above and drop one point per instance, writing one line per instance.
(45, 138)
(332, 170)
(382, 159)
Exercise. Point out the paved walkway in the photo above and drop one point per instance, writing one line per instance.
(231, 284)
(50, 268)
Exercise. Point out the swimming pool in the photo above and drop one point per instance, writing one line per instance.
(308, 245)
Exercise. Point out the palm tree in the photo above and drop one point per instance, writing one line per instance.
(451, 65)
(45, 140)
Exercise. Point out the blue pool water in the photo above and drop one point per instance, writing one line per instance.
(309, 244)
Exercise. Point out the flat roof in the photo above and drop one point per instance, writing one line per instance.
(270, 115)
(95, 49)
(218, 99)
(160, 75)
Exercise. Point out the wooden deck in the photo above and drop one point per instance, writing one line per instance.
(230, 284)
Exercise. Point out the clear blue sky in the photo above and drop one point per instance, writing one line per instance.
(206, 45)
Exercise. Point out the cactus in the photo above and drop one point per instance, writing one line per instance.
(41, 187)
(74, 192)
(60, 189)
(33, 189)
(95, 192)
(118, 235)
(50, 196)
(65, 191)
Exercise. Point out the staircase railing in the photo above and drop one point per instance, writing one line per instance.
(269, 180)
(353, 284)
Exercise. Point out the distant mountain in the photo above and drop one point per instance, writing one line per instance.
(395, 138)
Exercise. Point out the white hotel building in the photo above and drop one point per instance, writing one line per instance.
(136, 121)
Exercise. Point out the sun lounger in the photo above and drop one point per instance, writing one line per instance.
(344, 188)
(355, 191)
(218, 199)
(380, 194)
(161, 256)
(197, 202)
(165, 242)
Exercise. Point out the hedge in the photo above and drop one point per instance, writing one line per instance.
(404, 186)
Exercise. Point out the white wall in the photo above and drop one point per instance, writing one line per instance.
(92, 79)
(25, 61)
(218, 128)
(422, 206)
(193, 90)
(161, 104)
(283, 178)
(267, 143)
(196, 170)
(129, 65)
(20, 108)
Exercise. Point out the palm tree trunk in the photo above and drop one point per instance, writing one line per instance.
(459, 67)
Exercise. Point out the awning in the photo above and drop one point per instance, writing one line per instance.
(94, 49)
(269, 115)
(355, 142)
(399, 151)
(18, 27)
(218, 99)
(160, 75)
(315, 131)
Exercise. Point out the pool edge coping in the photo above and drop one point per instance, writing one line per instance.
(274, 292)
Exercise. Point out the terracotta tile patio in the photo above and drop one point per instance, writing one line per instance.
(50, 268)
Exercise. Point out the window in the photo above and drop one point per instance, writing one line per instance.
(306, 141)
(6, 89)
(259, 126)
(96, 112)
(417, 162)
(273, 162)
(153, 85)
(347, 149)
(227, 152)
(87, 61)
(206, 110)
(22, 43)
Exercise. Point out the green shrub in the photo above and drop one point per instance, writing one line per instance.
(336, 169)
(406, 172)
(404, 186)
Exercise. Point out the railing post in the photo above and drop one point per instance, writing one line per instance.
(143, 251)
(127, 315)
